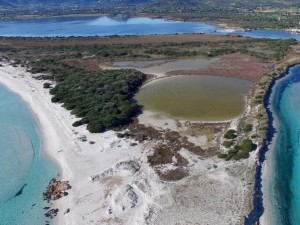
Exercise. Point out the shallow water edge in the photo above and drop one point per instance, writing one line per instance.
(258, 206)
(25, 206)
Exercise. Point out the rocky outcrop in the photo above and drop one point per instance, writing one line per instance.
(56, 190)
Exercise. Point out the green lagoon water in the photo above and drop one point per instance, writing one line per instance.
(209, 98)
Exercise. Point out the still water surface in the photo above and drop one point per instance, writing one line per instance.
(105, 26)
(208, 98)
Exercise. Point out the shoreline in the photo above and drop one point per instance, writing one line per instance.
(267, 217)
(267, 165)
(258, 213)
(85, 159)
(50, 138)
(40, 119)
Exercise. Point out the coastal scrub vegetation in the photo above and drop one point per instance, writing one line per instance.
(248, 127)
(228, 144)
(230, 134)
(103, 100)
(240, 151)
(88, 49)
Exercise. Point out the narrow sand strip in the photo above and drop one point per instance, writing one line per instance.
(268, 216)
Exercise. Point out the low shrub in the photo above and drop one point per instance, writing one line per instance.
(230, 134)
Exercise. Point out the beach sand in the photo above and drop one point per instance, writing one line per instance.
(112, 182)
(268, 216)
(79, 160)
(267, 174)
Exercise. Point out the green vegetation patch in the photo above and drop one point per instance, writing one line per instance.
(246, 146)
(230, 134)
(248, 127)
(262, 49)
(228, 144)
(240, 151)
(103, 100)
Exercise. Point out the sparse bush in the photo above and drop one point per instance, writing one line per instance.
(242, 155)
(55, 99)
(248, 128)
(174, 175)
(228, 144)
(247, 146)
(222, 155)
(47, 85)
(230, 134)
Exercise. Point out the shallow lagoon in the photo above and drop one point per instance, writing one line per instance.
(105, 26)
(101, 26)
(208, 98)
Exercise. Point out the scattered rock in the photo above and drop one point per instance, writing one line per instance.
(133, 144)
(56, 190)
(51, 213)
(67, 211)
(83, 138)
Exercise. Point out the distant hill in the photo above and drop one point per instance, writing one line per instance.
(247, 4)
(70, 2)
(249, 14)
(163, 4)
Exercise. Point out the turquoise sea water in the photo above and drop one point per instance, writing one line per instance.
(24, 169)
(105, 26)
(284, 186)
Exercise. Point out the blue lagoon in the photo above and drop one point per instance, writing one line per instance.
(106, 26)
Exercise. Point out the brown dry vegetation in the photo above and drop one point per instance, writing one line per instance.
(113, 40)
(168, 146)
(91, 65)
(233, 65)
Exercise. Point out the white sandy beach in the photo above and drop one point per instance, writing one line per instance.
(79, 160)
(112, 182)
(268, 216)
(267, 174)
